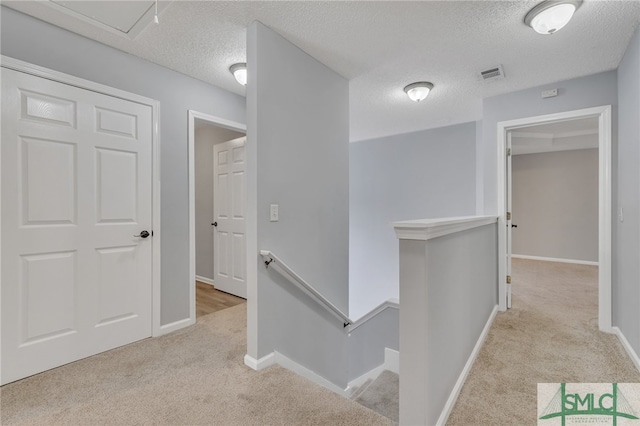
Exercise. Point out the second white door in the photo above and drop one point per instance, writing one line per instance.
(229, 200)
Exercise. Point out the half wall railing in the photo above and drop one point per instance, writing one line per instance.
(270, 259)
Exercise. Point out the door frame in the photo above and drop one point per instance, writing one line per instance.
(191, 123)
(604, 202)
(49, 74)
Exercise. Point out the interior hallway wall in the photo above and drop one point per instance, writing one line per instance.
(626, 294)
(584, 92)
(206, 136)
(34, 41)
(298, 133)
(426, 174)
(555, 204)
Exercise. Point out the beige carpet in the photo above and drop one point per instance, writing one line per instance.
(382, 395)
(551, 335)
(195, 376)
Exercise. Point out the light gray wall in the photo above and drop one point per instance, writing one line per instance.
(368, 342)
(298, 131)
(205, 137)
(584, 92)
(555, 204)
(419, 175)
(447, 294)
(39, 43)
(626, 293)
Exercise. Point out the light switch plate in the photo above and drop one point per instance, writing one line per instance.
(273, 213)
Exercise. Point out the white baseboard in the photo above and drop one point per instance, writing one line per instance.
(453, 396)
(391, 363)
(260, 364)
(173, 326)
(204, 280)
(554, 259)
(632, 354)
(392, 360)
(300, 370)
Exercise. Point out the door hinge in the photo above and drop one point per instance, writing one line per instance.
(508, 215)
(508, 279)
(508, 152)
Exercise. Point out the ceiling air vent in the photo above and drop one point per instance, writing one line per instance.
(495, 73)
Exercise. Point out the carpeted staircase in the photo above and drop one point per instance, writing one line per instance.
(380, 395)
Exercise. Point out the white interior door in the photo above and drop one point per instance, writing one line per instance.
(76, 194)
(229, 199)
(509, 217)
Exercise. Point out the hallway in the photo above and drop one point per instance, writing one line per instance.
(550, 335)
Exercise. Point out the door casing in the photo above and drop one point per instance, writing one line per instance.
(604, 202)
(216, 121)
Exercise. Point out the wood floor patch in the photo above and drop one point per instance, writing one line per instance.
(210, 300)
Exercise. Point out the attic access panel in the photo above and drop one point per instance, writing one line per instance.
(126, 18)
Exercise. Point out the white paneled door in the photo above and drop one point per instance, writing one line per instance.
(76, 206)
(229, 199)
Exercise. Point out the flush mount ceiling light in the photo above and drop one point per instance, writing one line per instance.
(418, 91)
(551, 15)
(239, 71)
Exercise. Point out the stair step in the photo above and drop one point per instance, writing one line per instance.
(381, 395)
(358, 391)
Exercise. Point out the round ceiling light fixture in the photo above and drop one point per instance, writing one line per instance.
(418, 91)
(551, 15)
(239, 71)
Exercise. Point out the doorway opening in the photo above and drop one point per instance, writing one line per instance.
(553, 199)
(216, 214)
(506, 130)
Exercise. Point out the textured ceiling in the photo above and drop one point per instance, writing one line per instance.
(383, 46)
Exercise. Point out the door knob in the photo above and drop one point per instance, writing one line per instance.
(215, 224)
(143, 234)
(514, 226)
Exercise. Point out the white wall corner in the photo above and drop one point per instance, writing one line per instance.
(627, 346)
(392, 360)
(260, 364)
(453, 396)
